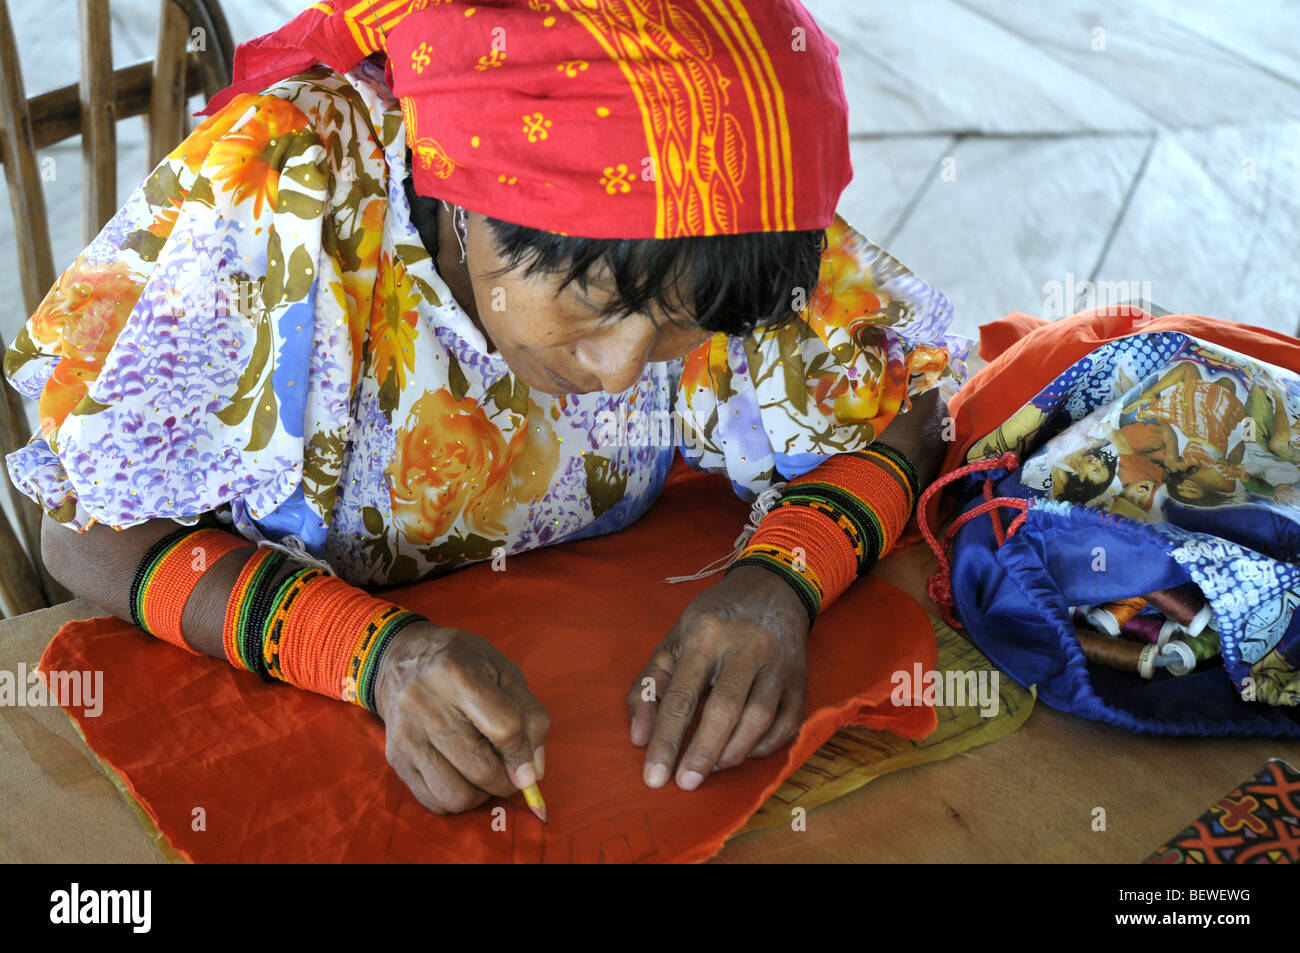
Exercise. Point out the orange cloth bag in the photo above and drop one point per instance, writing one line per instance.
(283, 775)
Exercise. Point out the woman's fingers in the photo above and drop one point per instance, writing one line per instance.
(675, 710)
(432, 779)
(474, 757)
(785, 726)
(722, 712)
(497, 716)
(460, 722)
(643, 697)
(425, 725)
(760, 712)
(537, 724)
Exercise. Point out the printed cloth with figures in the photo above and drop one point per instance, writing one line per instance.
(1203, 444)
(260, 334)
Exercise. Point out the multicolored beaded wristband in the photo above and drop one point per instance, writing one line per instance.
(247, 609)
(169, 573)
(335, 638)
(310, 629)
(286, 595)
(833, 523)
(369, 651)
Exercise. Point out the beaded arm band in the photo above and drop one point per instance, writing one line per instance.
(309, 629)
(168, 575)
(833, 523)
(315, 631)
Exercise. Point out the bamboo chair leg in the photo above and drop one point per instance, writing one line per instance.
(166, 118)
(22, 174)
(20, 590)
(98, 119)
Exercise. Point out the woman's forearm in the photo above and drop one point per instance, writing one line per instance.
(99, 565)
(919, 435)
(424, 681)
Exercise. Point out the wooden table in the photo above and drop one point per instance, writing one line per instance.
(1031, 796)
(1028, 797)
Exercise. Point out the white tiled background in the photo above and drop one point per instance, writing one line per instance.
(999, 145)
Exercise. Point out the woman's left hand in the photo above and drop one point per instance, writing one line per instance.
(745, 638)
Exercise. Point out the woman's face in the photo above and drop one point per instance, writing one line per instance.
(1140, 492)
(1090, 467)
(558, 343)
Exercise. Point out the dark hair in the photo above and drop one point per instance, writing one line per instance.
(1208, 497)
(1078, 490)
(738, 282)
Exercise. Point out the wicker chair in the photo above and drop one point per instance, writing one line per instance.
(91, 107)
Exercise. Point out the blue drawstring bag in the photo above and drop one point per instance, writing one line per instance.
(1156, 461)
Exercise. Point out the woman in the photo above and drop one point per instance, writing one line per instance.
(1269, 453)
(1206, 412)
(349, 317)
(1083, 476)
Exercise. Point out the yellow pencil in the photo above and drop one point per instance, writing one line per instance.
(533, 797)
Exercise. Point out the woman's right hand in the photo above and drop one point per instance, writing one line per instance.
(461, 725)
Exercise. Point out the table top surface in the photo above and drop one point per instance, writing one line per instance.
(1029, 797)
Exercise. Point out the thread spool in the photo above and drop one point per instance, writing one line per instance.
(1155, 629)
(1144, 627)
(1185, 604)
(1186, 655)
(1205, 646)
(1119, 654)
(1179, 657)
(1109, 617)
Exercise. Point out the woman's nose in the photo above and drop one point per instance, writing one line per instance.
(617, 356)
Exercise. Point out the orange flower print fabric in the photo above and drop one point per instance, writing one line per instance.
(447, 453)
(247, 157)
(452, 461)
(393, 318)
(79, 320)
(772, 406)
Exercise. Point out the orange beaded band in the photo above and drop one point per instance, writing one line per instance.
(329, 637)
(315, 658)
(310, 629)
(168, 575)
(261, 566)
(281, 609)
(834, 522)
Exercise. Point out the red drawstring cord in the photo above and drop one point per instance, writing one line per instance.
(939, 586)
(993, 514)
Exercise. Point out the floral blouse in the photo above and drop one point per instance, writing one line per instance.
(259, 333)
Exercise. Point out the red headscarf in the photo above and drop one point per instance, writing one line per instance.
(599, 118)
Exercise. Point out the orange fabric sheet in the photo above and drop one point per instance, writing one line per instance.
(1026, 353)
(287, 776)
